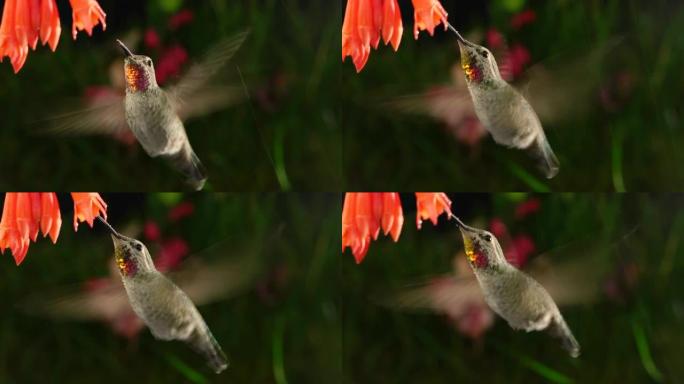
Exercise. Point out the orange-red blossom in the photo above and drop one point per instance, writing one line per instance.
(24, 22)
(366, 21)
(365, 213)
(27, 213)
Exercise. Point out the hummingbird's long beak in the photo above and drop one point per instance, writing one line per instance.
(459, 37)
(115, 234)
(127, 51)
(462, 226)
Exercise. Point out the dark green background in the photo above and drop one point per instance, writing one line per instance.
(634, 148)
(292, 144)
(385, 346)
(294, 337)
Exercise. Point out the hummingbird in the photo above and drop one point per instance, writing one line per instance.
(156, 115)
(511, 293)
(166, 310)
(503, 111)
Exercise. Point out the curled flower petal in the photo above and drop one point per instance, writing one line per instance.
(34, 23)
(23, 214)
(378, 16)
(50, 219)
(88, 206)
(349, 236)
(351, 41)
(36, 209)
(22, 23)
(86, 15)
(427, 15)
(395, 215)
(10, 45)
(392, 27)
(50, 27)
(430, 206)
(10, 236)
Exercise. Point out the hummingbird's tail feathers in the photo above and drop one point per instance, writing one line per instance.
(559, 329)
(546, 160)
(205, 344)
(187, 162)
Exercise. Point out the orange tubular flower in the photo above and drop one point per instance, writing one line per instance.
(25, 214)
(430, 206)
(427, 15)
(88, 206)
(365, 22)
(24, 22)
(86, 15)
(364, 214)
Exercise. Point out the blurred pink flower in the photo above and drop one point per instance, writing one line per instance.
(172, 252)
(152, 231)
(272, 286)
(622, 282)
(498, 228)
(470, 132)
(514, 61)
(127, 324)
(617, 90)
(527, 208)
(152, 39)
(523, 18)
(476, 320)
(181, 18)
(181, 211)
(495, 39)
(519, 250)
(170, 63)
(100, 94)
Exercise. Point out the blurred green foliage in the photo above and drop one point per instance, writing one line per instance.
(632, 339)
(633, 147)
(286, 327)
(285, 136)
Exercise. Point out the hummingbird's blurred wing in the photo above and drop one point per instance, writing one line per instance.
(206, 283)
(442, 294)
(194, 94)
(236, 271)
(574, 281)
(578, 270)
(101, 118)
(75, 303)
(449, 104)
(565, 86)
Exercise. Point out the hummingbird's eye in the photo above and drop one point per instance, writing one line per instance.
(138, 247)
(487, 238)
(484, 53)
(148, 62)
